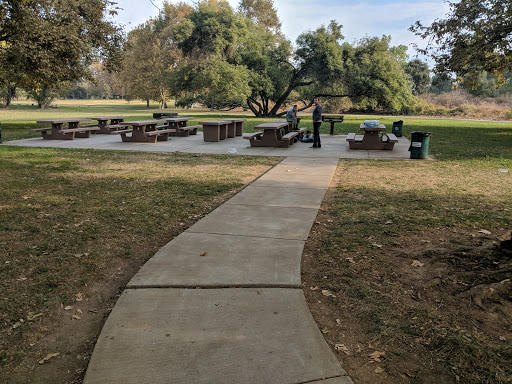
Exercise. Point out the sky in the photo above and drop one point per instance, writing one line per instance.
(359, 19)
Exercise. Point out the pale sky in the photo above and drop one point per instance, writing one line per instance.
(359, 19)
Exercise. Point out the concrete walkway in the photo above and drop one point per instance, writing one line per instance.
(222, 302)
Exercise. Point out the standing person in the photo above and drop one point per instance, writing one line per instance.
(317, 121)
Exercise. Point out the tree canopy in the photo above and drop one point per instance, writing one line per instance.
(45, 42)
(474, 36)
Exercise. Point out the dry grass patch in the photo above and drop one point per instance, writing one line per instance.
(75, 227)
(416, 281)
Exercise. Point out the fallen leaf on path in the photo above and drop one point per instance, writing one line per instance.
(417, 263)
(259, 292)
(203, 254)
(376, 356)
(48, 357)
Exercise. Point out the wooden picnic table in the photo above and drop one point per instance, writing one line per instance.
(73, 129)
(215, 130)
(235, 127)
(180, 125)
(372, 138)
(105, 127)
(144, 131)
(271, 136)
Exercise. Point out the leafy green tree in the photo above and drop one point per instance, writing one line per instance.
(440, 84)
(263, 13)
(473, 37)
(420, 76)
(46, 42)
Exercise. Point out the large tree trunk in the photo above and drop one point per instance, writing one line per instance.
(11, 92)
(147, 103)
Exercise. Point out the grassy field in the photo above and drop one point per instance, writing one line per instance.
(75, 219)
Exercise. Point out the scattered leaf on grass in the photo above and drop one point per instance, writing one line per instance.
(325, 331)
(417, 263)
(68, 308)
(314, 288)
(48, 357)
(76, 317)
(343, 348)
(484, 231)
(325, 292)
(376, 356)
(338, 321)
(409, 373)
(351, 260)
(79, 296)
(379, 370)
(377, 245)
(389, 222)
(30, 318)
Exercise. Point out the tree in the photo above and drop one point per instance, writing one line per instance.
(45, 42)
(474, 36)
(420, 76)
(441, 84)
(261, 12)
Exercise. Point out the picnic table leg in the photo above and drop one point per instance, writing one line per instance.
(55, 135)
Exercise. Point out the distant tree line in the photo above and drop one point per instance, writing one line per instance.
(217, 56)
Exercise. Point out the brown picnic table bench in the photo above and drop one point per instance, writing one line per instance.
(373, 138)
(144, 131)
(105, 127)
(180, 126)
(272, 135)
(73, 130)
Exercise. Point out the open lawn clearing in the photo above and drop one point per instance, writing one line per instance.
(450, 139)
(76, 226)
(404, 275)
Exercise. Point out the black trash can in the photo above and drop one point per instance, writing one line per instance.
(397, 128)
(419, 145)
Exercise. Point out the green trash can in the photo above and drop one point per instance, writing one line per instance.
(397, 128)
(419, 145)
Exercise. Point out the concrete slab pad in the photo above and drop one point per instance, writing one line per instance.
(303, 168)
(258, 221)
(294, 180)
(279, 197)
(229, 261)
(214, 336)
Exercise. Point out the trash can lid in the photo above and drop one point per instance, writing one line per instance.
(420, 133)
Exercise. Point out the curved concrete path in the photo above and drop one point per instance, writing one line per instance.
(222, 302)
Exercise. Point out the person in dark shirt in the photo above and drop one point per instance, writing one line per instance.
(317, 121)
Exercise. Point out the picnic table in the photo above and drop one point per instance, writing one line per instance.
(271, 136)
(105, 127)
(180, 125)
(235, 127)
(373, 138)
(215, 130)
(144, 131)
(72, 130)
(159, 115)
(333, 119)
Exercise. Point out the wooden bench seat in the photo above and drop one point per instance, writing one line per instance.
(192, 129)
(392, 138)
(114, 126)
(351, 137)
(159, 131)
(289, 136)
(79, 129)
(249, 136)
(121, 131)
(40, 129)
